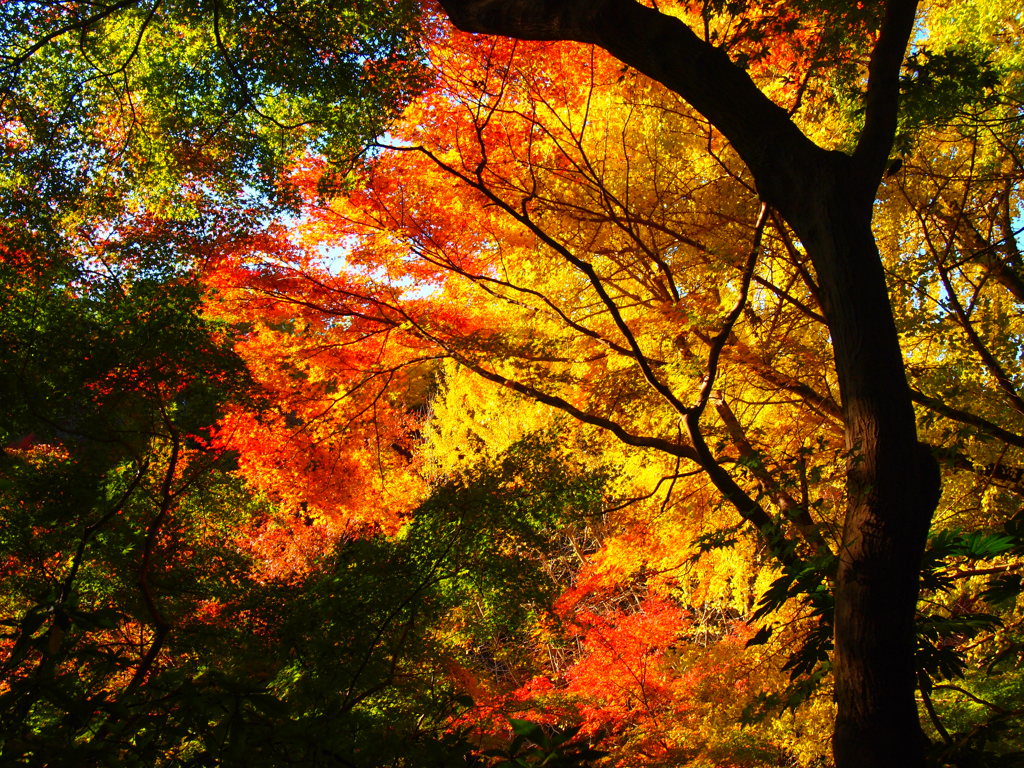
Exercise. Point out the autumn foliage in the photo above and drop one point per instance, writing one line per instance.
(520, 439)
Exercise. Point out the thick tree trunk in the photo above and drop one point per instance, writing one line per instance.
(892, 481)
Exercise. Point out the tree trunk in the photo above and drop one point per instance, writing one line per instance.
(892, 482)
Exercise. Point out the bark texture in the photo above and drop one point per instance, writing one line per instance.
(826, 197)
(892, 486)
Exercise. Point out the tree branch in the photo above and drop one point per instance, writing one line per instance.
(964, 417)
(881, 102)
(722, 337)
(79, 24)
(662, 47)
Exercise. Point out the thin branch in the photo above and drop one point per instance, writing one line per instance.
(791, 508)
(80, 24)
(797, 260)
(994, 707)
(924, 686)
(161, 626)
(730, 320)
(240, 78)
(964, 417)
(92, 528)
(1002, 378)
(123, 68)
(523, 217)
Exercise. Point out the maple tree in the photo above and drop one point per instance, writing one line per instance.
(162, 105)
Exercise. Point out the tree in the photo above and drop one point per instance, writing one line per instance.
(827, 198)
(498, 162)
(145, 618)
(111, 383)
